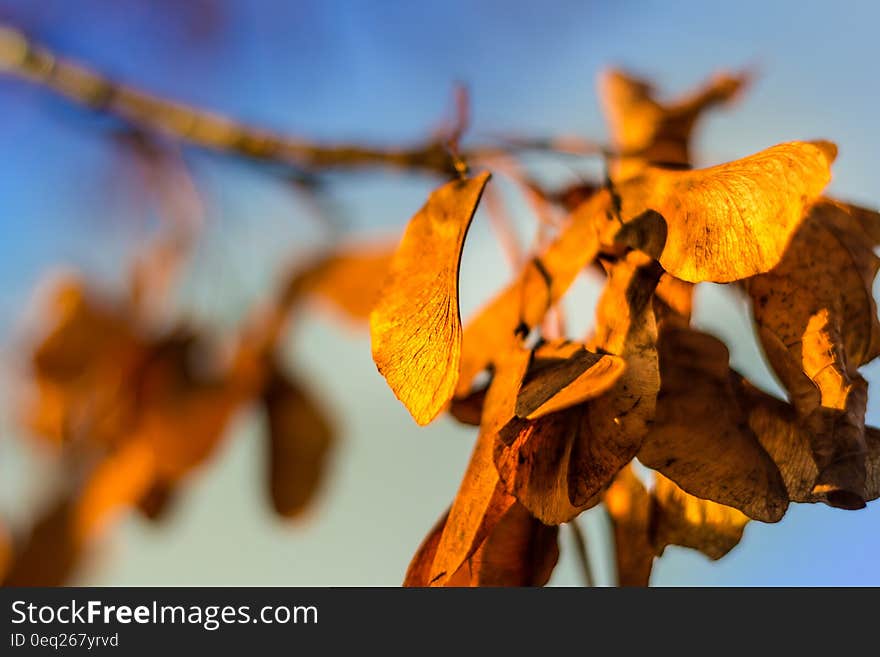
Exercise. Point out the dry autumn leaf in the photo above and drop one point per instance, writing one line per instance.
(645, 523)
(562, 374)
(645, 130)
(777, 426)
(518, 551)
(479, 504)
(556, 465)
(416, 326)
(724, 223)
(688, 521)
(818, 323)
(300, 439)
(700, 437)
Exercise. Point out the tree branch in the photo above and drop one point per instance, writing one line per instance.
(24, 59)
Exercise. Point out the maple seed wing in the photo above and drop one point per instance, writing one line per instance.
(415, 326)
(727, 222)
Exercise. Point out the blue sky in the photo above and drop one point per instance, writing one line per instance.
(383, 72)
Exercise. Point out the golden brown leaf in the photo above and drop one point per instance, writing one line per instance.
(644, 524)
(300, 439)
(688, 521)
(563, 374)
(700, 437)
(556, 465)
(674, 301)
(418, 573)
(818, 323)
(479, 504)
(724, 223)
(630, 509)
(787, 441)
(503, 323)
(518, 551)
(182, 412)
(416, 327)
(469, 409)
(644, 130)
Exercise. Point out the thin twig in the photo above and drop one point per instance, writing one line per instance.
(148, 112)
(580, 542)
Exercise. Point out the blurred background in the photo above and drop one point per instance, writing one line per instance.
(382, 73)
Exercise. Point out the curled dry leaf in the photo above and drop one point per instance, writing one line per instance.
(480, 503)
(300, 439)
(786, 439)
(818, 323)
(518, 551)
(645, 130)
(416, 327)
(506, 320)
(556, 465)
(713, 529)
(700, 437)
(645, 523)
(724, 223)
(563, 374)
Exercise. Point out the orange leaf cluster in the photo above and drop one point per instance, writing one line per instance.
(561, 420)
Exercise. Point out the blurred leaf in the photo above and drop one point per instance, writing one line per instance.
(645, 130)
(300, 440)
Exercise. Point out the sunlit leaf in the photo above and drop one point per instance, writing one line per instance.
(557, 465)
(416, 326)
(688, 521)
(479, 504)
(785, 438)
(562, 374)
(723, 223)
(518, 551)
(645, 523)
(630, 509)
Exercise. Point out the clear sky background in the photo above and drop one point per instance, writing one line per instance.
(382, 72)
